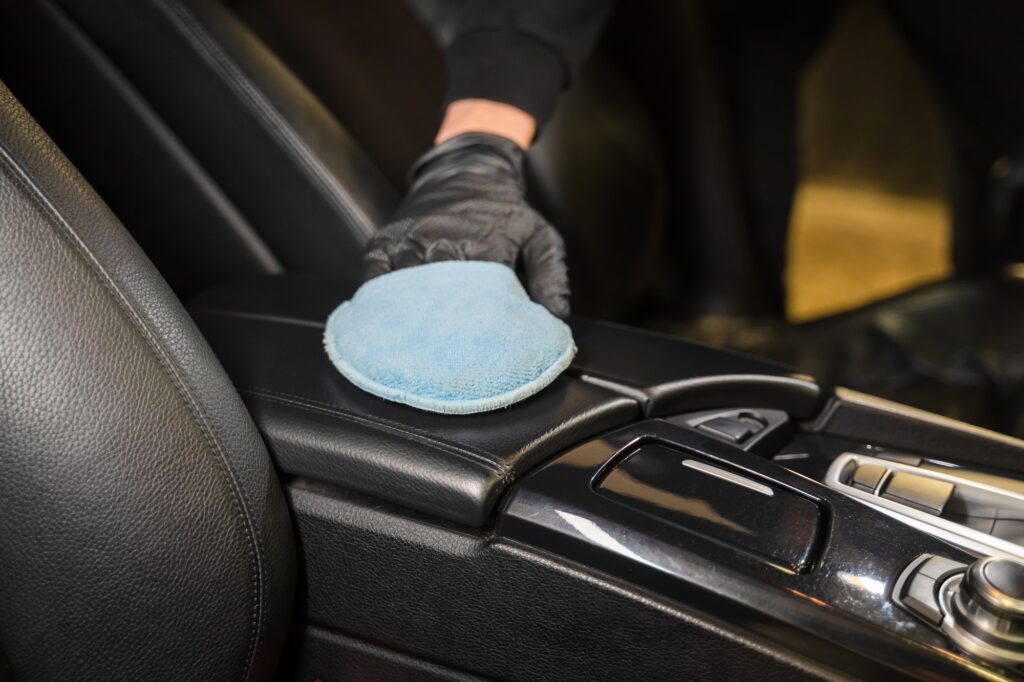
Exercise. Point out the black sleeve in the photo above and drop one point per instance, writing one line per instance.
(521, 52)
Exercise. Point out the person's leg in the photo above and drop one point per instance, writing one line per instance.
(973, 56)
(762, 48)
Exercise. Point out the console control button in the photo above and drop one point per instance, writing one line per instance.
(909, 460)
(919, 597)
(939, 568)
(917, 589)
(736, 429)
(927, 494)
(1000, 584)
(868, 476)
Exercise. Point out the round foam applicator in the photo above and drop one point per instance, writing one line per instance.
(455, 337)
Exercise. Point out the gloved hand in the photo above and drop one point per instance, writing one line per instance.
(467, 202)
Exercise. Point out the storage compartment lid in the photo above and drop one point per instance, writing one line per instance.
(752, 515)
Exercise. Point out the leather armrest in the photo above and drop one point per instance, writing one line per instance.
(267, 333)
(319, 426)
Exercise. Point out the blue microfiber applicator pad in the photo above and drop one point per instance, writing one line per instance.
(455, 337)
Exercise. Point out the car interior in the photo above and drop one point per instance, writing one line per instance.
(191, 491)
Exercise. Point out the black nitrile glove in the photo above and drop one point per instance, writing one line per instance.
(467, 202)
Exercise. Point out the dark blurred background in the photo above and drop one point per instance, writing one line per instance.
(639, 170)
(648, 168)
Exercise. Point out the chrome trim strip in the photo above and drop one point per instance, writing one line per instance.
(729, 476)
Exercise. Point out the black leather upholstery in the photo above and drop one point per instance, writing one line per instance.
(320, 654)
(191, 230)
(268, 331)
(319, 425)
(388, 91)
(280, 184)
(144, 532)
(248, 122)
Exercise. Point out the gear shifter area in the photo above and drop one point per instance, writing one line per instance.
(979, 607)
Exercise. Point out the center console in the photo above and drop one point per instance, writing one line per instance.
(687, 513)
(663, 508)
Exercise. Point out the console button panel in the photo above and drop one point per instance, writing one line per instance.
(917, 588)
(869, 477)
(927, 494)
(981, 513)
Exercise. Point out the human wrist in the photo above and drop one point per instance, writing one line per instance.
(489, 117)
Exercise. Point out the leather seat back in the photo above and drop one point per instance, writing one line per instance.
(223, 165)
(144, 532)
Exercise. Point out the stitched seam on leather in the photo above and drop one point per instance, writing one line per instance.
(197, 35)
(323, 408)
(198, 415)
(240, 225)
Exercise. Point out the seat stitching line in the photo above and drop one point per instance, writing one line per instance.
(191, 29)
(198, 414)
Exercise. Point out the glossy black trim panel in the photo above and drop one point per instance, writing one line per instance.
(668, 375)
(474, 602)
(748, 514)
(839, 611)
(868, 419)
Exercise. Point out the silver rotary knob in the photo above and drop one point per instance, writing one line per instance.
(985, 610)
